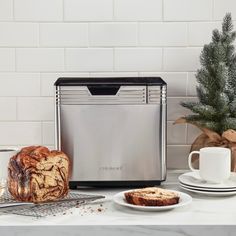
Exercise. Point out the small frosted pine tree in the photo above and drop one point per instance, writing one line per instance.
(216, 89)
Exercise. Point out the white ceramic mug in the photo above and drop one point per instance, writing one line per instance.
(5, 155)
(214, 163)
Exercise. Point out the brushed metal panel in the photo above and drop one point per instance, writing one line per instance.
(113, 142)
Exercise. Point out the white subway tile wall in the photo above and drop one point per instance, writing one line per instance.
(89, 59)
(188, 10)
(181, 59)
(8, 108)
(138, 59)
(163, 34)
(42, 40)
(20, 133)
(88, 10)
(19, 34)
(113, 34)
(38, 10)
(19, 84)
(201, 32)
(220, 7)
(7, 59)
(138, 10)
(48, 132)
(63, 35)
(39, 59)
(35, 108)
(6, 10)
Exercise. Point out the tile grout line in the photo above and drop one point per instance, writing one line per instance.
(39, 34)
(25, 121)
(138, 34)
(88, 35)
(116, 21)
(63, 11)
(162, 59)
(113, 48)
(85, 71)
(40, 84)
(17, 115)
(13, 10)
(113, 57)
(213, 9)
(123, 47)
(188, 34)
(187, 83)
(15, 61)
(64, 60)
(186, 133)
(113, 11)
(162, 13)
(41, 138)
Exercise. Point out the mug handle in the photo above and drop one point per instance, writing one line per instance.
(190, 160)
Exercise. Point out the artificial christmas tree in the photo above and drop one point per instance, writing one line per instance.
(215, 111)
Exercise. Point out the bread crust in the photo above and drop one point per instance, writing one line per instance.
(151, 196)
(36, 174)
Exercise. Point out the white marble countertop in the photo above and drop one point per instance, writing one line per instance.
(203, 211)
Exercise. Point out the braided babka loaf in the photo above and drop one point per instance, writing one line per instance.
(36, 174)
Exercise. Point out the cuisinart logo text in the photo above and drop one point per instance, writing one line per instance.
(111, 168)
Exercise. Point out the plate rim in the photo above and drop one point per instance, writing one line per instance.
(153, 208)
(219, 194)
(207, 190)
(200, 186)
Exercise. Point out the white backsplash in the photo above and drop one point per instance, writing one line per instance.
(42, 40)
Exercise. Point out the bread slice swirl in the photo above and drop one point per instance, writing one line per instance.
(152, 196)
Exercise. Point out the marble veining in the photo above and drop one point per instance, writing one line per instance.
(195, 219)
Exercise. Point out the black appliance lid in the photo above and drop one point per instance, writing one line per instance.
(84, 81)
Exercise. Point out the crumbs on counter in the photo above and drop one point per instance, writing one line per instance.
(92, 209)
(87, 209)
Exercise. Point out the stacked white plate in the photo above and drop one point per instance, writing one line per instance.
(192, 182)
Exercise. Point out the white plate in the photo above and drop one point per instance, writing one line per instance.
(208, 189)
(185, 199)
(193, 179)
(215, 194)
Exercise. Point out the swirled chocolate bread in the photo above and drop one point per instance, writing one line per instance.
(152, 196)
(36, 174)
